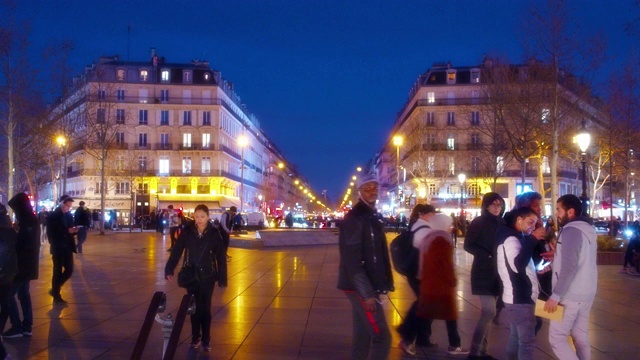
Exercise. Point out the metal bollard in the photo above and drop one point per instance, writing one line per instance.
(168, 322)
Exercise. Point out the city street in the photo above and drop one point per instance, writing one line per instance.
(281, 303)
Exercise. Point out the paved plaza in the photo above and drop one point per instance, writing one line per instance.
(281, 303)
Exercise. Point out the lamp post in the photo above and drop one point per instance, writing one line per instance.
(242, 141)
(462, 178)
(584, 140)
(62, 141)
(397, 141)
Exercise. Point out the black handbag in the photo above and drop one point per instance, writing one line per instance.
(189, 274)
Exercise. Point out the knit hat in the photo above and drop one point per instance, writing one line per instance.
(367, 178)
(440, 221)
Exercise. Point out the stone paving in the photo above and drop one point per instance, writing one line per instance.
(281, 303)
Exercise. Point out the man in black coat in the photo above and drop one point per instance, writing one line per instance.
(28, 254)
(365, 273)
(480, 241)
(60, 231)
(82, 221)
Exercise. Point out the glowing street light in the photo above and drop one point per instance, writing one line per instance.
(397, 141)
(583, 138)
(62, 142)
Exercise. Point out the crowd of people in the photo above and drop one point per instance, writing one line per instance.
(518, 260)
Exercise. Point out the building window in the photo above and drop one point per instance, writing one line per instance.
(206, 118)
(431, 189)
(186, 140)
(431, 119)
(545, 165)
(120, 94)
(164, 117)
(451, 76)
(99, 187)
(186, 165)
(499, 164)
(451, 118)
(451, 143)
(207, 76)
(206, 165)
(206, 140)
(122, 188)
(163, 165)
(475, 118)
(119, 138)
(164, 140)
(120, 115)
(144, 75)
(452, 165)
(120, 75)
(431, 138)
(102, 94)
(431, 164)
(101, 116)
(475, 140)
(431, 97)
(473, 190)
(475, 76)
(142, 117)
(164, 95)
(142, 163)
(142, 140)
(164, 76)
(544, 115)
(187, 77)
(186, 120)
(475, 164)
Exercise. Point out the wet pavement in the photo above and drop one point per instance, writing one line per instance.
(281, 303)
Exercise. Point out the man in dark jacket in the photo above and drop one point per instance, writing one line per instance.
(82, 220)
(60, 231)
(28, 254)
(365, 273)
(480, 242)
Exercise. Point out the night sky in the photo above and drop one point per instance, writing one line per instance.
(325, 78)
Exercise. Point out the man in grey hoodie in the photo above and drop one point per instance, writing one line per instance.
(575, 280)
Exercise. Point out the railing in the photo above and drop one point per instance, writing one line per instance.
(157, 305)
(163, 146)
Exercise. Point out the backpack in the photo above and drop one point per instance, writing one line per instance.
(405, 257)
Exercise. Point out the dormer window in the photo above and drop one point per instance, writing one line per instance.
(475, 76)
(207, 76)
(164, 76)
(144, 75)
(187, 77)
(120, 75)
(451, 76)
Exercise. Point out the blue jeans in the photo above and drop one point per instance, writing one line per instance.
(522, 338)
(82, 237)
(483, 328)
(21, 288)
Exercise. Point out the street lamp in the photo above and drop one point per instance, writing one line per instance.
(584, 139)
(242, 141)
(397, 141)
(62, 141)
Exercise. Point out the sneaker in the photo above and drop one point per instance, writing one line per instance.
(26, 332)
(206, 347)
(59, 301)
(632, 271)
(408, 348)
(623, 270)
(12, 333)
(457, 350)
(194, 344)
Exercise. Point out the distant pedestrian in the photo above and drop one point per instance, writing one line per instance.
(82, 219)
(42, 220)
(28, 255)
(174, 225)
(365, 273)
(226, 225)
(288, 220)
(113, 219)
(61, 232)
(97, 220)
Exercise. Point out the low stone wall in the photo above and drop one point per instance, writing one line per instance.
(297, 237)
(610, 258)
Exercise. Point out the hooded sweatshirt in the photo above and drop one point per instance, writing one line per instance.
(575, 274)
(515, 266)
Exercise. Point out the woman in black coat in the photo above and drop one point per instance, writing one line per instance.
(28, 251)
(8, 268)
(204, 247)
(480, 242)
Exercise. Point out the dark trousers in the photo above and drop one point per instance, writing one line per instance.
(82, 237)
(225, 239)
(60, 276)
(173, 234)
(5, 295)
(21, 288)
(413, 327)
(201, 319)
(371, 336)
